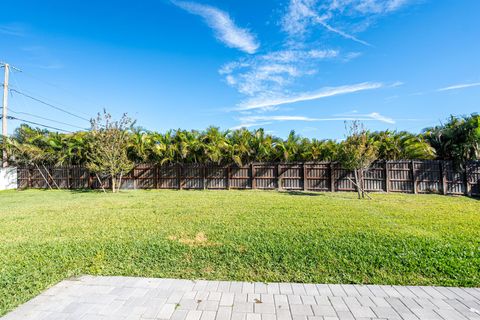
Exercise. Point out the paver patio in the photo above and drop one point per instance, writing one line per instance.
(89, 298)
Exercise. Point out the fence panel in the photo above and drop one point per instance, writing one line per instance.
(265, 176)
(290, 176)
(168, 177)
(391, 176)
(455, 181)
(79, 178)
(216, 177)
(23, 178)
(375, 177)
(343, 179)
(240, 177)
(428, 176)
(318, 176)
(400, 176)
(193, 176)
(473, 174)
(38, 178)
(145, 177)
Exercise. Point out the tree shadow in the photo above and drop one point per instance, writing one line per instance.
(302, 193)
(84, 191)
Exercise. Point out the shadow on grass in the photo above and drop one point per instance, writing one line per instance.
(63, 189)
(302, 193)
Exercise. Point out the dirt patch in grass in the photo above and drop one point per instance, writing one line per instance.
(200, 240)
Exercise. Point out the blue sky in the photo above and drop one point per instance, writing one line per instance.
(306, 65)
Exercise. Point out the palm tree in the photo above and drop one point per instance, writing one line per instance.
(240, 147)
(289, 150)
(320, 150)
(392, 145)
(140, 144)
(215, 144)
(264, 146)
(457, 140)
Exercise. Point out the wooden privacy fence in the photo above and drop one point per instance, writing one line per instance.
(384, 176)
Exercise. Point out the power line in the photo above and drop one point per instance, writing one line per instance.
(17, 86)
(49, 105)
(48, 100)
(24, 104)
(37, 124)
(43, 118)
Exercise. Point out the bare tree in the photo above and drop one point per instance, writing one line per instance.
(108, 151)
(357, 153)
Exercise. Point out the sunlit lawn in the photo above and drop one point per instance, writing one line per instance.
(47, 236)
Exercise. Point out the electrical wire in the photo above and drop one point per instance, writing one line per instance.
(37, 124)
(24, 106)
(54, 106)
(43, 118)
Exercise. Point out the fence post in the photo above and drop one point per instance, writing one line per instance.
(444, 177)
(179, 176)
(414, 177)
(254, 183)
(468, 186)
(68, 176)
(29, 177)
(332, 176)
(204, 173)
(305, 177)
(155, 172)
(279, 177)
(387, 178)
(228, 177)
(134, 176)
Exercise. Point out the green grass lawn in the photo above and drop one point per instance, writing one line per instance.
(47, 236)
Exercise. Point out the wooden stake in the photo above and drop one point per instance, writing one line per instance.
(48, 184)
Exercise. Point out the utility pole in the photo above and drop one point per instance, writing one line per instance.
(4, 115)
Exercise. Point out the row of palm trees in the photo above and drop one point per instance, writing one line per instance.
(459, 139)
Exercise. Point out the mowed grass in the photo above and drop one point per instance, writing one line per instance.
(47, 236)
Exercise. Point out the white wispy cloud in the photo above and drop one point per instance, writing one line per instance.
(459, 86)
(260, 120)
(266, 102)
(251, 119)
(247, 125)
(301, 15)
(378, 6)
(225, 29)
(344, 34)
(272, 72)
(16, 30)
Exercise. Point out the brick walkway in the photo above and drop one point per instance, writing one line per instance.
(122, 298)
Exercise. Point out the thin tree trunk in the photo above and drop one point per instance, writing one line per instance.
(362, 183)
(100, 181)
(357, 184)
(120, 182)
(113, 184)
